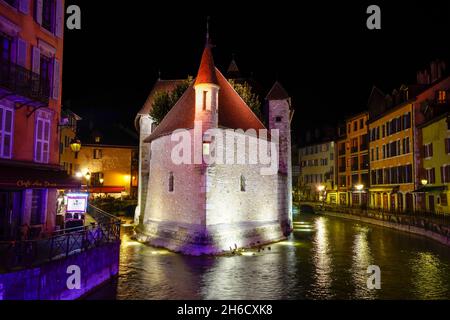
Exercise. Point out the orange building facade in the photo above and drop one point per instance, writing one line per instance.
(31, 54)
(353, 161)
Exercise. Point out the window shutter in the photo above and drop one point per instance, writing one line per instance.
(36, 67)
(38, 141)
(21, 52)
(6, 132)
(56, 79)
(59, 24)
(24, 6)
(39, 11)
(46, 142)
(431, 150)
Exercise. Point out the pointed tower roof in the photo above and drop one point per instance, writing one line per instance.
(207, 70)
(233, 112)
(277, 92)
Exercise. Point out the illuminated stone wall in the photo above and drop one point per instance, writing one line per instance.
(184, 204)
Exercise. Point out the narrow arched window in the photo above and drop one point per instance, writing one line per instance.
(171, 182)
(205, 94)
(243, 184)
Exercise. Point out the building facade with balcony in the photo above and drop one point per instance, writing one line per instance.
(31, 53)
(317, 181)
(68, 125)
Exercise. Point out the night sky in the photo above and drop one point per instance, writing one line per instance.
(322, 53)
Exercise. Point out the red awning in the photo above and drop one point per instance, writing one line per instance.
(105, 189)
(28, 177)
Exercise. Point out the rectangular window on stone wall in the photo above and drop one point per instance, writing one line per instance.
(243, 184)
(171, 182)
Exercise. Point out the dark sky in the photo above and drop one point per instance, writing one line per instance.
(322, 52)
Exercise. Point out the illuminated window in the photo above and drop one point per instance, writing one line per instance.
(206, 148)
(243, 184)
(98, 154)
(442, 96)
(97, 139)
(171, 182)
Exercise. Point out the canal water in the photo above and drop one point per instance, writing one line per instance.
(325, 258)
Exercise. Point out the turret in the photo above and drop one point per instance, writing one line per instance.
(207, 91)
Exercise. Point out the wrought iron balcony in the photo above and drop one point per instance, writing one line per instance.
(22, 84)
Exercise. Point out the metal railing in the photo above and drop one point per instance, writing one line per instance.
(63, 243)
(23, 82)
(432, 221)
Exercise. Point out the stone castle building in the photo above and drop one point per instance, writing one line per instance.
(206, 208)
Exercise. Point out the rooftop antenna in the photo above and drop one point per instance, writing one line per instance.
(207, 30)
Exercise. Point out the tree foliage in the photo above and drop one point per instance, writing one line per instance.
(245, 91)
(164, 101)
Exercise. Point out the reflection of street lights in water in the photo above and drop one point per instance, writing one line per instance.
(322, 193)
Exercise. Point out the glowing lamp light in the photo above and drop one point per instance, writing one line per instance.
(424, 182)
(79, 175)
(75, 145)
(320, 188)
(101, 180)
(88, 176)
(359, 187)
(127, 178)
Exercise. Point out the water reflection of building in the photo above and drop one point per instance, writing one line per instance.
(31, 50)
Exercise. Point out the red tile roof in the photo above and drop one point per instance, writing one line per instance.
(233, 111)
(160, 85)
(206, 72)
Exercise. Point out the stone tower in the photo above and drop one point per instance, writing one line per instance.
(279, 113)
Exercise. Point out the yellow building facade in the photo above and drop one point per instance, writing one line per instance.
(108, 170)
(317, 172)
(435, 175)
(392, 159)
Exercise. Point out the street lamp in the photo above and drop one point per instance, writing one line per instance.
(322, 194)
(75, 146)
(424, 182)
(359, 187)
